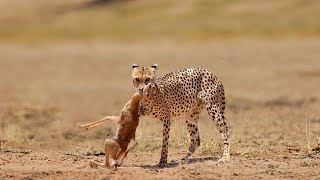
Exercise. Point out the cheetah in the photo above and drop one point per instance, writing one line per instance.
(183, 93)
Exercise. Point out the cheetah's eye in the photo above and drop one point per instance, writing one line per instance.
(136, 79)
(147, 80)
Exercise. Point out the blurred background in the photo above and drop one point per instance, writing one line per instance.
(161, 20)
(65, 63)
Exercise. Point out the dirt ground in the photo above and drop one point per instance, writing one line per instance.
(48, 90)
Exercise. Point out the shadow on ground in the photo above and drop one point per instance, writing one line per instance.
(174, 164)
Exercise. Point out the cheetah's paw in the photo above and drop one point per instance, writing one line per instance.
(162, 164)
(224, 160)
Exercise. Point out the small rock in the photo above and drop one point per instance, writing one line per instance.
(271, 166)
(304, 164)
(236, 174)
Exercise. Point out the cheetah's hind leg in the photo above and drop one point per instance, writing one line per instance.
(219, 118)
(215, 104)
(192, 126)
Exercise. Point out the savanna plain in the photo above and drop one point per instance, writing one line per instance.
(64, 64)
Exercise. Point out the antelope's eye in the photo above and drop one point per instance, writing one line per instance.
(136, 79)
(147, 80)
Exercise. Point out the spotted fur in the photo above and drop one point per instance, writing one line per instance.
(183, 93)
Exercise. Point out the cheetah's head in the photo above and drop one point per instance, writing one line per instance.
(142, 76)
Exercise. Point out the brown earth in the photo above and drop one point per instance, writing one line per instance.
(48, 90)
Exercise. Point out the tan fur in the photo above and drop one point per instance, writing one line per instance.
(127, 124)
(111, 148)
(143, 76)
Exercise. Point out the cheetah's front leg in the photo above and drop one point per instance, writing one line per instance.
(165, 142)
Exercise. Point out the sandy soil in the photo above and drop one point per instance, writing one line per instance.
(273, 100)
(27, 164)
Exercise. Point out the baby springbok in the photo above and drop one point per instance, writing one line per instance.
(124, 139)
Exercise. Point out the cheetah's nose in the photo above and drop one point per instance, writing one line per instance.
(141, 89)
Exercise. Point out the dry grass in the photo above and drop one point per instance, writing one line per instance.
(49, 90)
(77, 84)
(19, 123)
(80, 71)
(192, 20)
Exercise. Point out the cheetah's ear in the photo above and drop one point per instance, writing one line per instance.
(134, 66)
(155, 66)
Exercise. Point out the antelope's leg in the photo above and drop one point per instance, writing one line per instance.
(96, 123)
(93, 123)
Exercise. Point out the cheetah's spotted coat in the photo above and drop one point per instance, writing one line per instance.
(183, 93)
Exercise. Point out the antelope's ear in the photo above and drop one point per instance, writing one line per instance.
(134, 66)
(155, 66)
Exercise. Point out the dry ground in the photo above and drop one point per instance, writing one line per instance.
(65, 63)
(48, 90)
